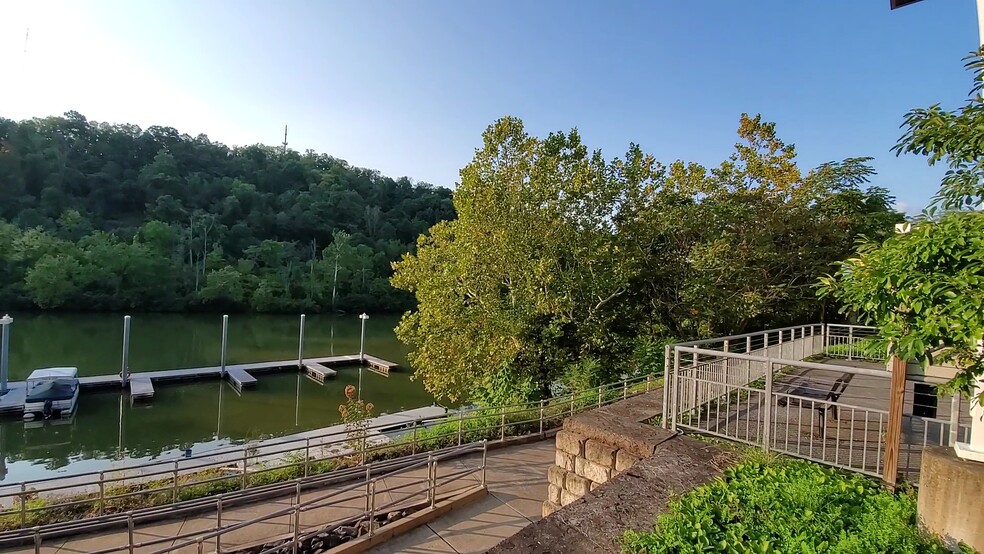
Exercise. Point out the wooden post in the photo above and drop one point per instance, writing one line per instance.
(893, 433)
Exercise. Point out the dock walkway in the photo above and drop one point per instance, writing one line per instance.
(241, 376)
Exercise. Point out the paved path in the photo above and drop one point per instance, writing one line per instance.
(517, 481)
(516, 478)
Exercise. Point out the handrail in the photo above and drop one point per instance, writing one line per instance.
(746, 335)
(508, 420)
(775, 360)
(369, 475)
(431, 460)
(281, 443)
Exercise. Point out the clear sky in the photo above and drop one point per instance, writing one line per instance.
(407, 87)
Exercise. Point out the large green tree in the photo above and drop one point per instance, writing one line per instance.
(564, 266)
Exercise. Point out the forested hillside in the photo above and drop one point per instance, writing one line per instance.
(97, 216)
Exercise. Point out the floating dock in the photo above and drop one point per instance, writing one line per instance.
(241, 376)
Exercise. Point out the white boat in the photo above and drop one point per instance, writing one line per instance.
(52, 392)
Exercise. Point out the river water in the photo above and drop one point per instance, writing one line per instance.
(198, 416)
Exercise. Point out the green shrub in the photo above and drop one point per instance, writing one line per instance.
(773, 506)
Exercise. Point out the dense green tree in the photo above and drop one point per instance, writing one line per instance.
(155, 219)
(564, 266)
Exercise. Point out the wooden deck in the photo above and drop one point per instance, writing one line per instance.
(140, 388)
(242, 376)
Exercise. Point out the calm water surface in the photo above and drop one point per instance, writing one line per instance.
(199, 416)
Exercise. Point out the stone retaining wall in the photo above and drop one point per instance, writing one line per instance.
(614, 471)
(582, 465)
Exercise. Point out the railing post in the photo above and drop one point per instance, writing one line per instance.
(674, 391)
(413, 440)
(727, 344)
(767, 432)
(572, 405)
(430, 480)
(37, 540)
(296, 546)
(245, 461)
(461, 415)
(485, 455)
(102, 492)
(372, 507)
(433, 498)
(174, 484)
(368, 486)
(218, 524)
(307, 456)
(297, 518)
(502, 425)
(23, 503)
(955, 419)
(599, 394)
(825, 332)
(748, 344)
(666, 386)
(625, 389)
(542, 403)
(850, 342)
(129, 531)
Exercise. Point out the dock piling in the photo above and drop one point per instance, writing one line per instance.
(5, 322)
(225, 337)
(125, 363)
(300, 344)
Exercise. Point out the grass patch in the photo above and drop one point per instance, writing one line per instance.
(768, 505)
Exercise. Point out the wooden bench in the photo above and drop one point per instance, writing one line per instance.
(820, 398)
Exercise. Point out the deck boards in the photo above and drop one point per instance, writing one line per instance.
(240, 378)
(140, 388)
(318, 372)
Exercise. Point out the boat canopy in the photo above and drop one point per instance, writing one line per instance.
(54, 373)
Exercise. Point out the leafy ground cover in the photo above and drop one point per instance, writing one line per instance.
(771, 506)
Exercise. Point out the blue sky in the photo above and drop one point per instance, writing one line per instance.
(407, 87)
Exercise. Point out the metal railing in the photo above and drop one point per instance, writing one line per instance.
(853, 342)
(163, 486)
(362, 487)
(832, 413)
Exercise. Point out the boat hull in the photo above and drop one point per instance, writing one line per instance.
(51, 408)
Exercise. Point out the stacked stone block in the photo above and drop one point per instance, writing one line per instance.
(582, 465)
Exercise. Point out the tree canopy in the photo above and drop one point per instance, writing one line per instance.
(96, 216)
(924, 289)
(564, 265)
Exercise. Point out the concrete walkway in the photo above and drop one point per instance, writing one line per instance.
(516, 479)
(517, 482)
